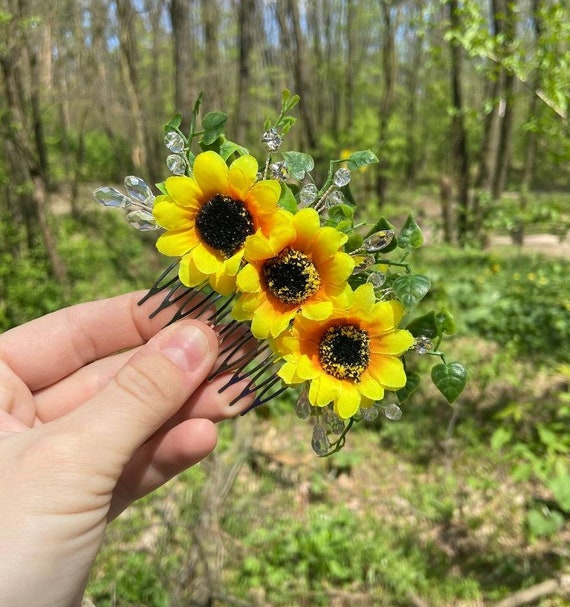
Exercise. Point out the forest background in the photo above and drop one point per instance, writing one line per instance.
(466, 105)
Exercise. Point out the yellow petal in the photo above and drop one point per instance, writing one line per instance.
(281, 322)
(211, 173)
(263, 196)
(176, 242)
(348, 400)
(329, 387)
(388, 371)
(364, 297)
(319, 310)
(369, 387)
(326, 243)
(206, 261)
(258, 247)
(188, 273)
(263, 319)
(242, 174)
(233, 264)
(172, 216)
(307, 224)
(184, 190)
(396, 342)
(248, 279)
(288, 373)
(337, 269)
(222, 282)
(306, 368)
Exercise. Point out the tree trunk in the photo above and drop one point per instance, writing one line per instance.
(530, 141)
(387, 100)
(459, 148)
(507, 10)
(184, 92)
(213, 95)
(246, 11)
(129, 65)
(300, 66)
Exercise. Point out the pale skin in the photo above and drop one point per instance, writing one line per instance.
(98, 406)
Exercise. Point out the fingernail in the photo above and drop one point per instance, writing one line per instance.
(187, 348)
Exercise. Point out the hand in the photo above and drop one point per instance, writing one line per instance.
(98, 407)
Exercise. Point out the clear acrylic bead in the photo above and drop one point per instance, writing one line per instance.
(111, 197)
(176, 164)
(341, 177)
(376, 279)
(363, 262)
(279, 171)
(271, 140)
(320, 441)
(333, 199)
(142, 220)
(174, 142)
(423, 344)
(393, 412)
(378, 241)
(369, 414)
(308, 194)
(138, 190)
(332, 421)
(303, 408)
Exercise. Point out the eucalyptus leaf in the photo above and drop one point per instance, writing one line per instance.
(449, 379)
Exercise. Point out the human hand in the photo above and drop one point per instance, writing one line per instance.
(98, 407)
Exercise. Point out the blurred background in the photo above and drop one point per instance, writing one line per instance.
(465, 102)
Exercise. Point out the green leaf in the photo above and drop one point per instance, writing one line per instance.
(410, 236)
(544, 522)
(354, 242)
(360, 159)
(213, 125)
(384, 224)
(500, 438)
(341, 212)
(287, 199)
(445, 322)
(173, 124)
(298, 163)
(449, 379)
(560, 487)
(231, 147)
(410, 289)
(412, 384)
(425, 326)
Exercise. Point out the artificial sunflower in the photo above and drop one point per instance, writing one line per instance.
(352, 357)
(298, 271)
(209, 216)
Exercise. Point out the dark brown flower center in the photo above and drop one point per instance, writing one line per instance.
(291, 277)
(344, 351)
(224, 223)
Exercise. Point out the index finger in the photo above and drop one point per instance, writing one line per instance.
(49, 348)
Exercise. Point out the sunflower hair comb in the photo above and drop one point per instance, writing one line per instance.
(304, 296)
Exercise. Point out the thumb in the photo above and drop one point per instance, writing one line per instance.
(148, 390)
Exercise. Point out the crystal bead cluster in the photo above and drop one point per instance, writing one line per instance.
(138, 201)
